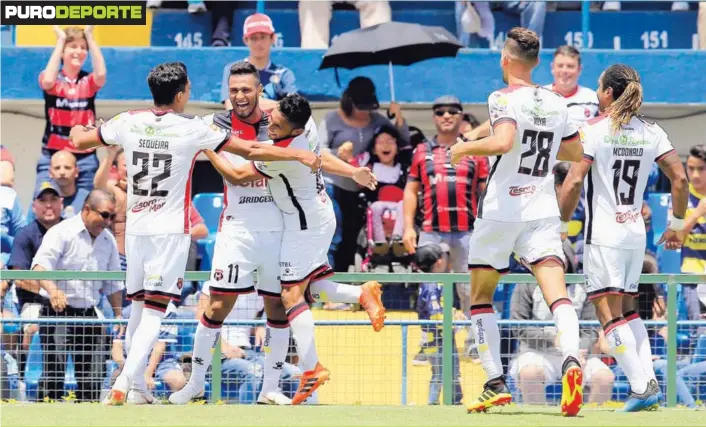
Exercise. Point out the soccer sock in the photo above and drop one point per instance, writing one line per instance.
(567, 326)
(276, 346)
(132, 323)
(207, 333)
(301, 321)
(143, 341)
(622, 346)
(642, 343)
(485, 328)
(330, 291)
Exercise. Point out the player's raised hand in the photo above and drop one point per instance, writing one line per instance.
(88, 31)
(672, 239)
(366, 178)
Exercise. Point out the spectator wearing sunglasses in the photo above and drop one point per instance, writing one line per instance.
(82, 243)
(448, 194)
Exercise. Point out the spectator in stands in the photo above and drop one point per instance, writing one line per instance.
(693, 254)
(80, 243)
(539, 359)
(12, 219)
(446, 195)
(242, 364)
(193, 6)
(434, 258)
(30, 296)
(64, 172)
(69, 99)
(475, 24)
(277, 81)
(348, 132)
(314, 18)
(385, 159)
(115, 158)
(7, 167)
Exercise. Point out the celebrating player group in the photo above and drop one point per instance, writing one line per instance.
(279, 222)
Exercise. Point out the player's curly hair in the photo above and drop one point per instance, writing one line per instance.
(244, 68)
(523, 44)
(166, 80)
(296, 109)
(627, 94)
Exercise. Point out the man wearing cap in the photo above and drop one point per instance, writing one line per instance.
(81, 243)
(448, 195)
(259, 36)
(64, 171)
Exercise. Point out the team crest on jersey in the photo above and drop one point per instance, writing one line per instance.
(218, 275)
(180, 283)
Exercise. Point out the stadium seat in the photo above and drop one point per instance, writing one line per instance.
(210, 206)
(659, 204)
(33, 368)
(70, 384)
(700, 350)
(621, 390)
(206, 252)
(669, 262)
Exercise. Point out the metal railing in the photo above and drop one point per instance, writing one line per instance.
(446, 279)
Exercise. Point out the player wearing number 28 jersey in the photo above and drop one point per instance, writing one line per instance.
(619, 149)
(519, 213)
(160, 146)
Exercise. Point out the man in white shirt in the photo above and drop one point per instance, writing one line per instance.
(82, 243)
(581, 101)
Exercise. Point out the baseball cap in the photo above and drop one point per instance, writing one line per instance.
(427, 255)
(46, 186)
(258, 23)
(361, 90)
(447, 101)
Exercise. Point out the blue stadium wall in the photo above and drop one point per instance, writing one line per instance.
(669, 76)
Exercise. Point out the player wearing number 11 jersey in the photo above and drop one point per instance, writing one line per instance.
(161, 145)
(619, 149)
(519, 213)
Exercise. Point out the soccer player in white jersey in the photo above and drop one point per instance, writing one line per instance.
(249, 240)
(519, 213)
(161, 145)
(619, 149)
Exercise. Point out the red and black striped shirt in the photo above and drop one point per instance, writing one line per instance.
(68, 103)
(449, 195)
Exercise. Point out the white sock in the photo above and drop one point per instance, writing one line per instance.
(330, 291)
(207, 333)
(485, 328)
(133, 322)
(622, 346)
(567, 326)
(143, 341)
(301, 321)
(642, 343)
(276, 346)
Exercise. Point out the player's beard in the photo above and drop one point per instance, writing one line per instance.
(250, 112)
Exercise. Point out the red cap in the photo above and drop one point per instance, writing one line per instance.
(6, 156)
(258, 23)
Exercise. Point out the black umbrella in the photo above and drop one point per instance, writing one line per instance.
(392, 43)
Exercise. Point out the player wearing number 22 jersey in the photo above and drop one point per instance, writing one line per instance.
(519, 213)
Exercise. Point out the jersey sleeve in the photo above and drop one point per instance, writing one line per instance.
(589, 148)
(664, 145)
(212, 137)
(415, 170)
(500, 110)
(571, 128)
(110, 131)
(272, 169)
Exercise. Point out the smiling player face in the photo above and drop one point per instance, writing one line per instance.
(244, 92)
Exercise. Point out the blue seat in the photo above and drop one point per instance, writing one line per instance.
(669, 262)
(210, 206)
(621, 390)
(700, 350)
(33, 367)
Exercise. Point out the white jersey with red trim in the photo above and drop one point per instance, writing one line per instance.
(582, 103)
(520, 184)
(298, 192)
(620, 166)
(248, 206)
(160, 151)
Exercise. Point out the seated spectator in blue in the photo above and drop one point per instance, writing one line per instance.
(242, 362)
(163, 363)
(693, 253)
(386, 161)
(64, 171)
(277, 81)
(434, 258)
(12, 219)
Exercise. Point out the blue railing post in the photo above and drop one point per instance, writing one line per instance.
(585, 22)
(260, 6)
(403, 399)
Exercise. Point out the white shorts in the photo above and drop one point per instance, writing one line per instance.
(304, 254)
(612, 270)
(155, 266)
(492, 243)
(238, 254)
(552, 366)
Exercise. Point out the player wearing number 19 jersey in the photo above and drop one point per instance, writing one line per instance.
(519, 213)
(619, 149)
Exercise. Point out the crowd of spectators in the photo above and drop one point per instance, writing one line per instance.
(420, 216)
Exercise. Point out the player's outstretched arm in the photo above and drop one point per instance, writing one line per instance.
(675, 234)
(336, 166)
(256, 151)
(479, 132)
(571, 150)
(83, 137)
(500, 142)
(571, 189)
(234, 175)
